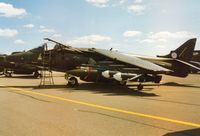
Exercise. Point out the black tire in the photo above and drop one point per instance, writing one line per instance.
(8, 74)
(72, 82)
(36, 74)
(140, 87)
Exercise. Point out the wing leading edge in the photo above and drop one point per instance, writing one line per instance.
(132, 60)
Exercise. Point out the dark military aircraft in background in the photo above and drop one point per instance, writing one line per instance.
(100, 65)
(2, 60)
(16, 63)
(185, 55)
(195, 60)
(196, 56)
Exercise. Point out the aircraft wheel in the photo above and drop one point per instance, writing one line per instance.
(36, 74)
(1, 73)
(140, 87)
(8, 74)
(72, 82)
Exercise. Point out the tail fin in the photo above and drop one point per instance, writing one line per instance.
(184, 52)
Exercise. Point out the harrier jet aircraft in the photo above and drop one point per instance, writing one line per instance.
(98, 65)
(17, 63)
(101, 65)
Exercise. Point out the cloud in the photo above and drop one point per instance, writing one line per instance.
(138, 9)
(29, 26)
(99, 3)
(90, 39)
(132, 33)
(19, 41)
(138, 1)
(8, 10)
(122, 2)
(153, 40)
(44, 29)
(56, 35)
(165, 36)
(8, 32)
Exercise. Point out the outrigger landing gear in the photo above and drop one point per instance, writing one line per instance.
(140, 87)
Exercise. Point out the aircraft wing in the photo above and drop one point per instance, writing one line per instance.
(190, 65)
(132, 60)
(195, 63)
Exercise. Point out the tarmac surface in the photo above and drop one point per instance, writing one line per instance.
(171, 109)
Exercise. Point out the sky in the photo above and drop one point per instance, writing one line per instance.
(144, 27)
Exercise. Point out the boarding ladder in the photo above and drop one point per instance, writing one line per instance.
(46, 72)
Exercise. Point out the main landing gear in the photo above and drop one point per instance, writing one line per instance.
(7, 73)
(140, 86)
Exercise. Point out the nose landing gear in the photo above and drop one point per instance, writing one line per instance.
(72, 81)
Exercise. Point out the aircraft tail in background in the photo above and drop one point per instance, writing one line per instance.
(184, 52)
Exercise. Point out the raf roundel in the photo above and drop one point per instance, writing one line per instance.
(174, 55)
